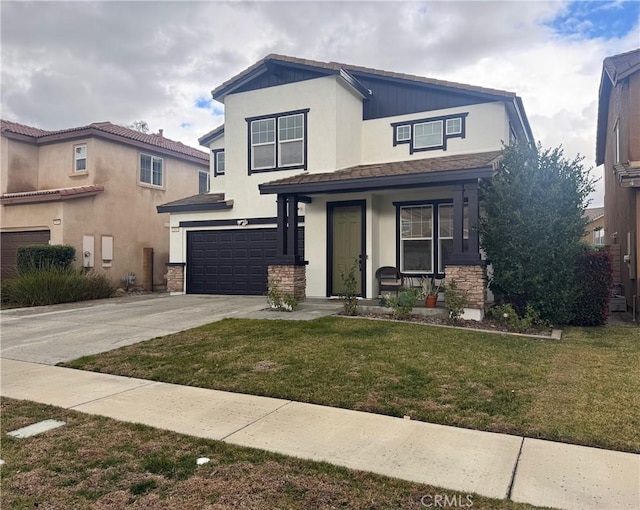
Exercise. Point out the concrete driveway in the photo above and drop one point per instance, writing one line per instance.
(52, 334)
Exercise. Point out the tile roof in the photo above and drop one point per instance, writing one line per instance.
(201, 202)
(337, 66)
(593, 213)
(157, 140)
(397, 168)
(48, 195)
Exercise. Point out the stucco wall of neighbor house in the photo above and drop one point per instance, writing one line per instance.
(381, 233)
(125, 210)
(591, 227)
(40, 216)
(487, 126)
(330, 105)
(621, 204)
(22, 158)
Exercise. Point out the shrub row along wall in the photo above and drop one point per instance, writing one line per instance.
(45, 256)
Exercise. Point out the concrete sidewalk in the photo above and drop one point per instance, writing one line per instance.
(496, 465)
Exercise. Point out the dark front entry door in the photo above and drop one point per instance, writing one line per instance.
(346, 244)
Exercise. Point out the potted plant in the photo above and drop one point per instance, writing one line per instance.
(430, 290)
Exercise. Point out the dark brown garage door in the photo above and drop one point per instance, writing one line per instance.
(231, 261)
(10, 241)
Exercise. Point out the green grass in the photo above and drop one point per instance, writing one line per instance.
(95, 462)
(580, 390)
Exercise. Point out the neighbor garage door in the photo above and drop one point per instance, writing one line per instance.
(10, 241)
(231, 261)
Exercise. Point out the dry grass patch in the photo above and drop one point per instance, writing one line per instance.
(99, 463)
(572, 390)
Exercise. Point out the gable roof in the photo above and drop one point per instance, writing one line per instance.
(335, 67)
(209, 137)
(397, 174)
(614, 69)
(103, 130)
(369, 83)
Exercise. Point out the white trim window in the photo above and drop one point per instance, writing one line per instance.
(263, 144)
(403, 133)
(291, 140)
(428, 134)
(151, 170)
(416, 239)
(598, 237)
(616, 142)
(454, 126)
(80, 158)
(204, 182)
(219, 163)
(445, 233)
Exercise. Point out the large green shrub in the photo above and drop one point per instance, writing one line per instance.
(531, 229)
(55, 285)
(44, 256)
(594, 271)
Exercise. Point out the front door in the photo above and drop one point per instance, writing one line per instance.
(346, 244)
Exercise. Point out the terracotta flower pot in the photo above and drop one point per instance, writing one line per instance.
(430, 301)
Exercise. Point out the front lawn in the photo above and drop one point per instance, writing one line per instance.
(583, 389)
(95, 462)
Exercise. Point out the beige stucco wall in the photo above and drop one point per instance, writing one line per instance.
(22, 158)
(591, 227)
(126, 210)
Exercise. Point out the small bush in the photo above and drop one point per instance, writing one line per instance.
(403, 303)
(350, 284)
(507, 315)
(279, 301)
(44, 256)
(56, 285)
(456, 300)
(594, 273)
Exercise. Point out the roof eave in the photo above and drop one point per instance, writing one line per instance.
(205, 140)
(423, 179)
(603, 115)
(51, 197)
(217, 206)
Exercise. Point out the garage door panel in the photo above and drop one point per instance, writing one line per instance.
(11, 241)
(231, 261)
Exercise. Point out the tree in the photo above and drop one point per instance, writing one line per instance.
(140, 125)
(532, 226)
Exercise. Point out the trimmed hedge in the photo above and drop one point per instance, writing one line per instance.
(594, 274)
(44, 256)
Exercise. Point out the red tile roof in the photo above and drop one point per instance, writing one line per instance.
(157, 140)
(48, 195)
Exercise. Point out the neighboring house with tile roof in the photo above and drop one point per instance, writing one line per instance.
(322, 165)
(618, 148)
(594, 231)
(95, 187)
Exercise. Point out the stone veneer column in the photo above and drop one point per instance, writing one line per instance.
(291, 279)
(175, 276)
(471, 279)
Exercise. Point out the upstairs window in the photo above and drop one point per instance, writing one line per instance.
(203, 182)
(598, 237)
(429, 134)
(278, 142)
(80, 158)
(218, 162)
(151, 170)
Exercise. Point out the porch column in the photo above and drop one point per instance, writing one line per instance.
(458, 221)
(471, 192)
(288, 272)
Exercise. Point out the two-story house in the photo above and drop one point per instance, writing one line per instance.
(96, 188)
(618, 148)
(322, 165)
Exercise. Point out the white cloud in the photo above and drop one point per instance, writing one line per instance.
(66, 63)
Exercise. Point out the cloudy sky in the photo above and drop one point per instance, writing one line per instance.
(67, 64)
